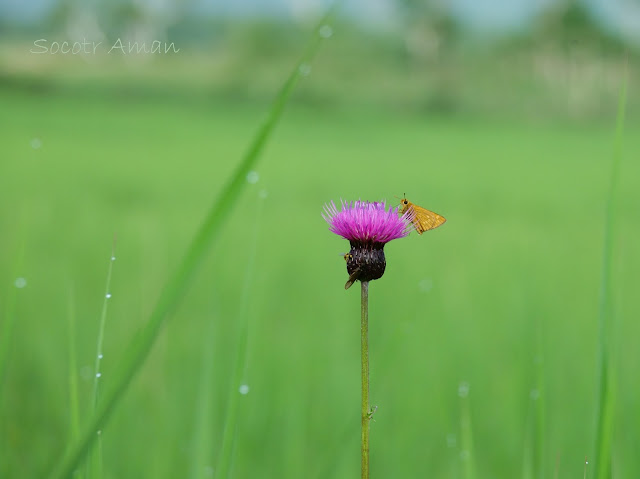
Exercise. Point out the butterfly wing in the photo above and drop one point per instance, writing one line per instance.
(425, 220)
(352, 278)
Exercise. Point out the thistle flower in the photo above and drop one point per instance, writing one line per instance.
(368, 226)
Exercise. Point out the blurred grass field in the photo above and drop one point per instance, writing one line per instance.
(502, 299)
(519, 256)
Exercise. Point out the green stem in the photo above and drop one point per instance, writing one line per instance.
(74, 402)
(223, 471)
(10, 318)
(605, 406)
(366, 416)
(95, 464)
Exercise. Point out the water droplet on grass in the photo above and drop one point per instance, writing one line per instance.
(326, 31)
(108, 295)
(98, 375)
(425, 285)
(304, 69)
(244, 389)
(99, 356)
(20, 283)
(463, 389)
(452, 441)
(253, 177)
(113, 258)
(263, 194)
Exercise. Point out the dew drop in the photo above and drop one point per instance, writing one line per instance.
(99, 432)
(326, 31)
(36, 143)
(304, 69)
(253, 177)
(99, 356)
(463, 389)
(20, 283)
(108, 295)
(452, 440)
(98, 375)
(244, 389)
(425, 285)
(113, 258)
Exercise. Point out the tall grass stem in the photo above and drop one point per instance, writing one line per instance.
(605, 405)
(202, 438)
(225, 462)
(466, 433)
(74, 401)
(9, 313)
(96, 462)
(534, 444)
(539, 397)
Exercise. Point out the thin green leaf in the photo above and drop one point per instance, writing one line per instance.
(96, 465)
(9, 319)
(74, 401)
(606, 385)
(225, 460)
(466, 433)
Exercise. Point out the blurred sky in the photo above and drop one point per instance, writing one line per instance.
(493, 15)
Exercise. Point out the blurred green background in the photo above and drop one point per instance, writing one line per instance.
(483, 333)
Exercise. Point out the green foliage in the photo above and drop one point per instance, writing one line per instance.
(571, 22)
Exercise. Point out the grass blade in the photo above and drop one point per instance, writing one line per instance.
(74, 402)
(95, 464)
(225, 460)
(202, 440)
(538, 396)
(178, 283)
(9, 319)
(606, 386)
(103, 321)
(534, 445)
(467, 455)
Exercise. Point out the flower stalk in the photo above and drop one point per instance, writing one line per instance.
(368, 226)
(366, 410)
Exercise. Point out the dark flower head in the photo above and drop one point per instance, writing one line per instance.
(368, 226)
